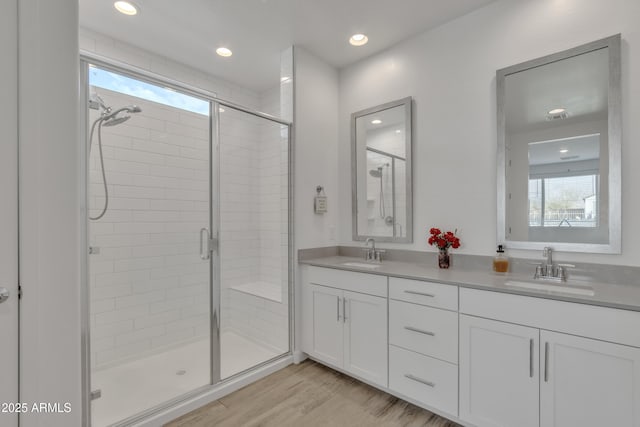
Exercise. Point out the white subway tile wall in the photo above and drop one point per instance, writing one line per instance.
(254, 218)
(149, 289)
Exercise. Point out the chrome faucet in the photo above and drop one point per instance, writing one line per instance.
(372, 241)
(548, 270)
(548, 252)
(372, 254)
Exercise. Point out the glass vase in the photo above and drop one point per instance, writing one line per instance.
(444, 259)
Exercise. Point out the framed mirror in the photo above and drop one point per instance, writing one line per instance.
(381, 172)
(559, 150)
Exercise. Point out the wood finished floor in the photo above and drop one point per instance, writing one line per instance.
(309, 395)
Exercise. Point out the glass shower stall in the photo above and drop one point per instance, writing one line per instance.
(188, 213)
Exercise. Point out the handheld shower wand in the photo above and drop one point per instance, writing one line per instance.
(108, 117)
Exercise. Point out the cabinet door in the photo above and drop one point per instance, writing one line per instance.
(365, 337)
(326, 324)
(499, 379)
(588, 383)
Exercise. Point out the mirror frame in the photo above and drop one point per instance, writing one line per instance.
(407, 103)
(614, 148)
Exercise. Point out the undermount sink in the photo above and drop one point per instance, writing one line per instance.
(553, 287)
(360, 265)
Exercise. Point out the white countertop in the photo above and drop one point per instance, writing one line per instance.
(620, 296)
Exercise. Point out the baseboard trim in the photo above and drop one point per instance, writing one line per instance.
(299, 357)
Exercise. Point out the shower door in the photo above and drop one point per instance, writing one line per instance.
(151, 233)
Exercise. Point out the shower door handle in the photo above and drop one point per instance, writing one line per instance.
(205, 243)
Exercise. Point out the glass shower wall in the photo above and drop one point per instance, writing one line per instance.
(400, 196)
(149, 288)
(254, 240)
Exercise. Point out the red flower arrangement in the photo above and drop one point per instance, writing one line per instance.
(443, 240)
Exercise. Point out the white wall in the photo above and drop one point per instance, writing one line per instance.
(315, 161)
(9, 208)
(50, 209)
(316, 144)
(450, 72)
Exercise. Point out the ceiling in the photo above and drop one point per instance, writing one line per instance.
(257, 31)
(579, 84)
(584, 147)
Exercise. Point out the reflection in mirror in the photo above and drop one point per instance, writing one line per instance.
(564, 177)
(381, 145)
(559, 150)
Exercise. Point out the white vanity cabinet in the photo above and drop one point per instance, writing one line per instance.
(588, 383)
(499, 383)
(423, 343)
(326, 335)
(345, 322)
(479, 357)
(514, 371)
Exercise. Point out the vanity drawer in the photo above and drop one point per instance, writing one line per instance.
(429, 381)
(425, 293)
(363, 283)
(430, 331)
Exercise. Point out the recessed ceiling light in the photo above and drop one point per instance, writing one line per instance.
(223, 51)
(557, 111)
(358, 39)
(126, 8)
(564, 150)
(398, 131)
(220, 110)
(376, 121)
(284, 79)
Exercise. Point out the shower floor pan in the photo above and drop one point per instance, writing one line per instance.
(135, 386)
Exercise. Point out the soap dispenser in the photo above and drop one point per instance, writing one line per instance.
(500, 262)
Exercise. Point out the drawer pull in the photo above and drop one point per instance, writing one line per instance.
(420, 380)
(424, 294)
(420, 331)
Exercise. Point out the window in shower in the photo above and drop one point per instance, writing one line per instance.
(114, 82)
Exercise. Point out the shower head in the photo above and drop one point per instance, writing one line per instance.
(376, 173)
(127, 109)
(112, 119)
